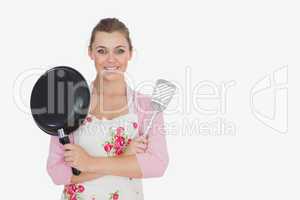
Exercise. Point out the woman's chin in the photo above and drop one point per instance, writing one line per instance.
(112, 76)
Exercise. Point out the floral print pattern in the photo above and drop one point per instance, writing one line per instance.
(117, 142)
(88, 119)
(135, 125)
(72, 191)
(114, 196)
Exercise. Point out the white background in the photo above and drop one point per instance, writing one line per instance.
(215, 41)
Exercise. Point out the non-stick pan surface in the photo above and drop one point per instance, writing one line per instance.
(60, 100)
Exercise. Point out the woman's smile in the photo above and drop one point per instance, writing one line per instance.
(111, 68)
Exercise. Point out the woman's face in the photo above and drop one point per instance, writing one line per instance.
(111, 53)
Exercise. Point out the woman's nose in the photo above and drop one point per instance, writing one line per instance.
(111, 57)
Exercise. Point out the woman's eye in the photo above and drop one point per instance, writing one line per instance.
(101, 51)
(120, 51)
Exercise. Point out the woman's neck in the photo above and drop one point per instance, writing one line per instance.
(109, 88)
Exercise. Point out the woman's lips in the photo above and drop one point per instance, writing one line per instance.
(111, 68)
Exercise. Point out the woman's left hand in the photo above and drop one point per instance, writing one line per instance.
(137, 145)
(77, 157)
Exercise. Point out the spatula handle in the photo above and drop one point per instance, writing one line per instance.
(150, 123)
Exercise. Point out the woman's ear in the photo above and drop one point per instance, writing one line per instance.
(90, 54)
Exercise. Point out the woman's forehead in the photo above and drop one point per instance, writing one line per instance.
(110, 40)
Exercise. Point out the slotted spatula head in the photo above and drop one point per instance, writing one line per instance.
(162, 94)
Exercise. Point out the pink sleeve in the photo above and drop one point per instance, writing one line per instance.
(154, 161)
(59, 172)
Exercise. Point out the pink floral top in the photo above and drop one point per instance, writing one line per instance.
(153, 162)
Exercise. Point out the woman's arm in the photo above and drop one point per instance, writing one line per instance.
(84, 176)
(57, 169)
(155, 160)
(125, 165)
(122, 165)
(151, 163)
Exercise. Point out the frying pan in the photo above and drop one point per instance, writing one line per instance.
(59, 102)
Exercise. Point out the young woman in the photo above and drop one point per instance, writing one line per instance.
(109, 148)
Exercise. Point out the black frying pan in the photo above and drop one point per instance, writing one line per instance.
(59, 102)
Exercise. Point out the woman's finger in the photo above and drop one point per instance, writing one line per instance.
(69, 159)
(137, 143)
(69, 164)
(142, 139)
(139, 138)
(69, 146)
(68, 153)
(139, 150)
(141, 146)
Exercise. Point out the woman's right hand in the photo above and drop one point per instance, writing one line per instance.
(137, 145)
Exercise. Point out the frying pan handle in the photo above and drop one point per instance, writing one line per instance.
(65, 140)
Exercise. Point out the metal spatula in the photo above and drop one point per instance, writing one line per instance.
(161, 97)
